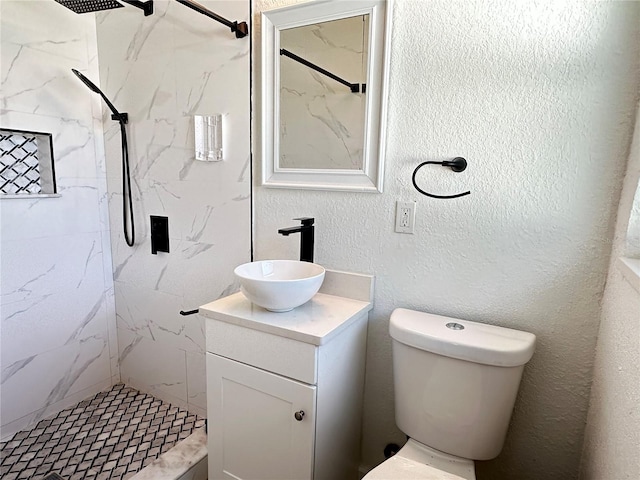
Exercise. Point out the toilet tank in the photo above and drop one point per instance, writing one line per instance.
(456, 381)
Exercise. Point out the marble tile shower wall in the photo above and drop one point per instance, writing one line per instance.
(162, 69)
(58, 342)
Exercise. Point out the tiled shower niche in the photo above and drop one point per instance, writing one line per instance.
(26, 163)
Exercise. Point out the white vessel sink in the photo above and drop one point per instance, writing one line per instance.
(280, 285)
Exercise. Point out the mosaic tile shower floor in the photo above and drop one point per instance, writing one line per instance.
(110, 436)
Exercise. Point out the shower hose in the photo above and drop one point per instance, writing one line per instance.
(127, 203)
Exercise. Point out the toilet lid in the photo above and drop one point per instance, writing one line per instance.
(399, 468)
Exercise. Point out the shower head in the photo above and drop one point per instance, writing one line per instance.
(87, 6)
(86, 81)
(121, 117)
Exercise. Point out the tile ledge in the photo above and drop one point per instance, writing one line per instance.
(29, 197)
(630, 268)
(175, 462)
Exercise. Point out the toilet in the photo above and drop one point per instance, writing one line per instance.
(455, 385)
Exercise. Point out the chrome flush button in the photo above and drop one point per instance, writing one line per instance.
(455, 326)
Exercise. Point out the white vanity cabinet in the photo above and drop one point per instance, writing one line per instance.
(254, 432)
(285, 390)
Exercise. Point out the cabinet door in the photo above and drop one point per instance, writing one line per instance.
(252, 429)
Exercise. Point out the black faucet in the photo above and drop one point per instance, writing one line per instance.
(306, 237)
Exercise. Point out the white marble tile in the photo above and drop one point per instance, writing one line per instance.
(73, 140)
(74, 149)
(217, 280)
(57, 300)
(191, 29)
(152, 148)
(116, 219)
(43, 266)
(112, 142)
(49, 377)
(216, 85)
(155, 316)
(196, 272)
(144, 89)
(196, 380)
(137, 266)
(210, 270)
(161, 73)
(163, 150)
(153, 367)
(132, 36)
(41, 324)
(112, 332)
(62, 33)
(103, 208)
(98, 138)
(75, 211)
(170, 163)
(195, 214)
(50, 88)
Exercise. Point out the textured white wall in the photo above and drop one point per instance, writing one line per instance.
(612, 437)
(539, 97)
(162, 70)
(58, 319)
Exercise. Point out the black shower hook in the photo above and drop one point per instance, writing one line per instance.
(458, 164)
(241, 29)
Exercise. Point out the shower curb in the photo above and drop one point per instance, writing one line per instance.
(187, 455)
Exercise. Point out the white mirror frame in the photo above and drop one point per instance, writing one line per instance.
(370, 177)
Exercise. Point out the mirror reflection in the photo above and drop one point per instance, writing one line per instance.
(323, 71)
(324, 90)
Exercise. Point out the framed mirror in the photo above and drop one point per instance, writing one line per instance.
(324, 93)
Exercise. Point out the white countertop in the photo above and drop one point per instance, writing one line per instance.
(316, 322)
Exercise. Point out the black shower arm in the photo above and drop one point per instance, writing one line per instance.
(146, 7)
(355, 88)
(458, 164)
(239, 28)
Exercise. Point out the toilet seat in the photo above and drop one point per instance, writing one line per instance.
(416, 461)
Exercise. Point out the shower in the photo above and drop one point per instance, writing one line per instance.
(122, 118)
(241, 29)
(88, 6)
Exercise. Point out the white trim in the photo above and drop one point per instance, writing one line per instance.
(630, 268)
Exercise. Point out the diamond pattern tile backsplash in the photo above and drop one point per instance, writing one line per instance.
(26, 165)
(110, 436)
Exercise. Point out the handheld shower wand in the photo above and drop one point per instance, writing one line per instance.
(121, 117)
(127, 202)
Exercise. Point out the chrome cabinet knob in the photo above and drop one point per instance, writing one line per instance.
(299, 415)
